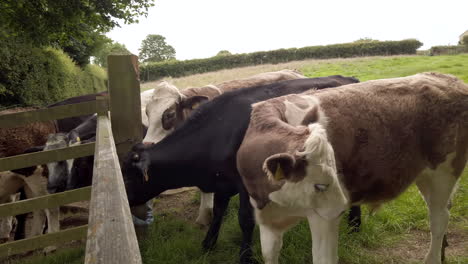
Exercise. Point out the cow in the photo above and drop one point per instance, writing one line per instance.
(202, 153)
(315, 154)
(170, 107)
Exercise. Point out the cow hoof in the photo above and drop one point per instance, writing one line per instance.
(444, 245)
(49, 249)
(247, 259)
(204, 219)
(208, 244)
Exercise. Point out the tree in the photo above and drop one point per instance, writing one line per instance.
(110, 48)
(224, 53)
(76, 26)
(464, 41)
(365, 40)
(154, 48)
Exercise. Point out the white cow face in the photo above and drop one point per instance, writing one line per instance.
(310, 177)
(145, 97)
(60, 171)
(162, 111)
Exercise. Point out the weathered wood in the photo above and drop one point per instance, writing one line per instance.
(125, 105)
(42, 241)
(111, 234)
(46, 201)
(53, 113)
(43, 157)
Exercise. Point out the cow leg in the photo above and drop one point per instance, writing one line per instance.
(324, 239)
(354, 219)
(272, 228)
(436, 188)
(247, 224)
(221, 202)
(205, 212)
(53, 225)
(38, 221)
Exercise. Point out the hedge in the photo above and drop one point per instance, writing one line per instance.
(448, 50)
(174, 68)
(40, 76)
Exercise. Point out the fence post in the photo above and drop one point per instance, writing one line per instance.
(125, 105)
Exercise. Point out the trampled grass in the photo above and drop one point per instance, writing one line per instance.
(398, 233)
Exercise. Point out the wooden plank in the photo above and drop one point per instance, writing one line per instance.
(44, 157)
(46, 201)
(53, 113)
(42, 241)
(125, 105)
(111, 234)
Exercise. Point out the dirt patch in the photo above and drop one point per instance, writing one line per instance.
(183, 205)
(414, 246)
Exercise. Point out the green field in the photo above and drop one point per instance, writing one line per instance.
(398, 233)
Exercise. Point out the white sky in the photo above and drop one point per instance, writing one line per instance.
(201, 28)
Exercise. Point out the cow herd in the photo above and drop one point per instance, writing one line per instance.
(292, 147)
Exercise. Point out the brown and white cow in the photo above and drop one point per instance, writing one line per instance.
(314, 154)
(169, 107)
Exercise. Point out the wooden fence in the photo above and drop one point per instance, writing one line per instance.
(110, 232)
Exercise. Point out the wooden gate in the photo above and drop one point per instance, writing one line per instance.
(110, 232)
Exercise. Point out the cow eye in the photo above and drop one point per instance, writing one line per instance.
(169, 114)
(321, 187)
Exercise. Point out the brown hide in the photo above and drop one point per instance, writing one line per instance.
(14, 141)
(184, 108)
(268, 134)
(384, 133)
(260, 79)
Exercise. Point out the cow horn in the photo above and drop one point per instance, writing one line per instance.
(145, 174)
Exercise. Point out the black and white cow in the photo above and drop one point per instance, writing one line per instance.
(202, 152)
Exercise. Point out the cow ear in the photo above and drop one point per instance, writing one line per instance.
(73, 137)
(141, 161)
(193, 102)
(279, 166)
(28, 171)
(312, 116)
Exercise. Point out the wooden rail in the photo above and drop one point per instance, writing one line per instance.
(52, 113)
(46, 201)
(50, 239)
(44, 157)
(111, 235)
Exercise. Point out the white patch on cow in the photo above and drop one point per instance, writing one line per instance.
(321, 169)
(324, 239)
(165, 95)
(145, 97)
(7, 222)
(295, 114)
(274, 220)
(436, 187)
(214, 87)
(205, 211)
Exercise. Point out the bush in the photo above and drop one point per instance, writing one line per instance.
(448, 50)
(40, 76)
(154, 71)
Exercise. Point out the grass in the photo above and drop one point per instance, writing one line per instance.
(367, 68)
(398, 233)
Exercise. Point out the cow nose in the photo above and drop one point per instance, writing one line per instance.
(148, 143)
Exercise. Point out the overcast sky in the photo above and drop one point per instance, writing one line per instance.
(201, 28)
